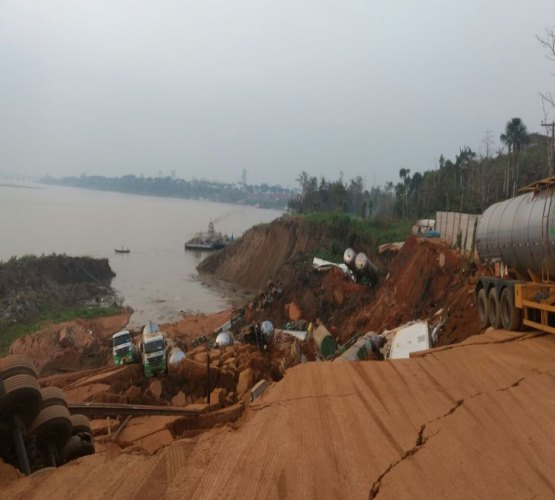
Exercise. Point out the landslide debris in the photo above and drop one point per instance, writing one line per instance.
(425, 280)
(336, 430)
(72, 345)
(264, 249)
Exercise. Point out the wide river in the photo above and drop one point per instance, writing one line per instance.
(158, 279)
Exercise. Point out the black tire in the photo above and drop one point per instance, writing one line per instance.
(21, 395)
(52, 396)
(511, 317)
(53, 423)
(482, 306)
(17, 364)
(494, 309)
(77, 446)
(80, 423)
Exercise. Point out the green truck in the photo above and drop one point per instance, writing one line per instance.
(153, 350)
(124, 351)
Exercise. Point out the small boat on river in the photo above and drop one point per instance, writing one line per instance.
(122, 250)
(211, 240)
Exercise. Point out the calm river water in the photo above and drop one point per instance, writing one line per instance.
(158, 279)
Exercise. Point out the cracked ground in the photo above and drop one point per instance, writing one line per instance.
(475, 420)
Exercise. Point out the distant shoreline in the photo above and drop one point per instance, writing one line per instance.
(23, 186)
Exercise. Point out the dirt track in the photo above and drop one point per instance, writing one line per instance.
(474, 420)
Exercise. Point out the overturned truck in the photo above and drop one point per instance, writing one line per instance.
(515, 240)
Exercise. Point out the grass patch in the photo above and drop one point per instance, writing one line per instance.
(350, 229)
(11, 331)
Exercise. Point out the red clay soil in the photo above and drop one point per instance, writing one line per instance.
(70, 346)
(195, 325)
(472, 420)
(425, 278)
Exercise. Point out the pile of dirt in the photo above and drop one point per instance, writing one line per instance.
(226, 374)
(330, 297)
(70, 346)
(426, 280)
(262, 251)
(184, 331)
(31, 284)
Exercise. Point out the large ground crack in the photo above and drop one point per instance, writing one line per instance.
(282, 402)
(421, 439)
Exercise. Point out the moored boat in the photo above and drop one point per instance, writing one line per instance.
(211, 240)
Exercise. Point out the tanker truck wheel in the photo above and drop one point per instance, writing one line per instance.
(21, 396)
(482, 305)
(17, 364)
(53, 396)
(52, 425)
(511, 317)
(81, 441)
(80, 423)
(20, 402)
(494, 309)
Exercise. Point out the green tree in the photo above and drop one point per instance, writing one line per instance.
(515, 137)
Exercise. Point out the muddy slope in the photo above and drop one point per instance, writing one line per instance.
(426, 280)
(469, 421)
(264, 249)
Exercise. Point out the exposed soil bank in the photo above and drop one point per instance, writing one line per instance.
(260, 253)
(70, 346)
(30, 285)
(425, 280)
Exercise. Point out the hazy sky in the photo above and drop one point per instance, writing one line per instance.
(209, 87)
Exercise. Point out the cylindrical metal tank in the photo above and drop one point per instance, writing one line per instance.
(349, 257)
(176, 356)
(520, 232)
(267, 329)
(224, 339)
(325, 342)
(364, 265)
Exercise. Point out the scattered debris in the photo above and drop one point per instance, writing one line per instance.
(366, 347)
(404, 340)
(322, 265)
(325, 342)
(259, 389)
(300, 335)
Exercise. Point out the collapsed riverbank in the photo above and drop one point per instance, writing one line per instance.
(54, 288)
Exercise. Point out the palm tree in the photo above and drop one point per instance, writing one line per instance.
(515, 137)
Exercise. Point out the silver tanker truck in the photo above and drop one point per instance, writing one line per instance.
(516, 240)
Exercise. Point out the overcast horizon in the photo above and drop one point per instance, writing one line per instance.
(207, 89)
